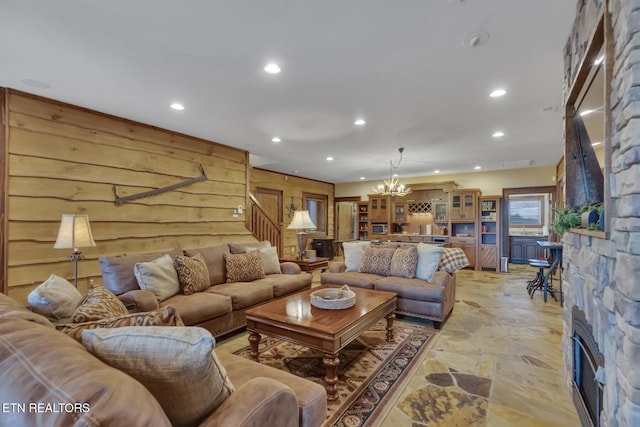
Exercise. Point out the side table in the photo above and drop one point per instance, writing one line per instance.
(308, 264)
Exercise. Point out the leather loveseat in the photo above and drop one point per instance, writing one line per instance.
(428, 294)
(219, 308)
(50, 379)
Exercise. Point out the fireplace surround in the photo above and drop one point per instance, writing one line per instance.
(588, 371)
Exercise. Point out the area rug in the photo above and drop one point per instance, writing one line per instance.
(371, 369)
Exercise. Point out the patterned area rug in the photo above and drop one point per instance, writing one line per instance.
(371, 369)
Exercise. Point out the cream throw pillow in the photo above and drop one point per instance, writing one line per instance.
(55, 298)
(270, 260)
(176, 364)
(353, 254)
(428, 260)
(158, 276)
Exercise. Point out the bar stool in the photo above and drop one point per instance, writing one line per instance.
(540, 281)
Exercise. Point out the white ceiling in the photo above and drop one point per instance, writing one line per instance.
(399, 64)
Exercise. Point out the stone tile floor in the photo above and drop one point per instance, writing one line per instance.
(497, 361)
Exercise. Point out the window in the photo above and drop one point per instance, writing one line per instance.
(526, 211)
(317, 205)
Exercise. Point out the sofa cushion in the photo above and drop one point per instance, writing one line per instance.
(199, 307)
(245, 294)
(158, 276)
(404, 262)
(352, 278)
(117, 271)
(244, 267)
(11, 309)
(312, 397)
(100, 303)
(55, 298)
(162, 317)
(193, 274)
(415, 289)
(270, 260)
(45, 366)
(240, 248)
(353, 254)
(284, 284)
(214, 258)
(428, 260)
(376, 260)
(176, 364)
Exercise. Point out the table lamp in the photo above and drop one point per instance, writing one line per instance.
(301, 221)
(74, 233)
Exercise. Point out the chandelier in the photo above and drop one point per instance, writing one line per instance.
(391, 186)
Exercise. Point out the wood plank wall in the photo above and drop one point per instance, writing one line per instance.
(292, 186)
(61, 159)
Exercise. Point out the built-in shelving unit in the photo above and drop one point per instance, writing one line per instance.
(363, 220)
(489, 241)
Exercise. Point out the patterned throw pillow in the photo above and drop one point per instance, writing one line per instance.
(404, 262)
(453, 259)
(100, 303)
(177, 365)
(161, 317)
(193, 273)
(376, 260)
(243, 267)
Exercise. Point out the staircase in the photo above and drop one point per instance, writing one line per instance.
(263, 227)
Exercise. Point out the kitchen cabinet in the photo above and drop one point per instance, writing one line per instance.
(378, 208)
(463, 206)
(522, 248)
(468, 246)
(399, 213)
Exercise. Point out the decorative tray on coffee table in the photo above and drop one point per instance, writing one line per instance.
(333, 298)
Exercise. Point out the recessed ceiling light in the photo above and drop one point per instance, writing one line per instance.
(436, 171)
(177, 106)
(594, 144)
(360, 122)
(478, 167)
(329, 158)
(498, 93)
(362, 178)
(498, 134)
(272, 68)
(275, 139)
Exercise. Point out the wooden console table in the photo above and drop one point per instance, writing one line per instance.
(308, 264)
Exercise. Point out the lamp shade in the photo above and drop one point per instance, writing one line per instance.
(301, 221)
(74, 232)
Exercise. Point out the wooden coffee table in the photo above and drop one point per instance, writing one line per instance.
(294, 319)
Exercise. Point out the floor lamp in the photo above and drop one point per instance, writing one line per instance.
(301, 221)
(74, 233)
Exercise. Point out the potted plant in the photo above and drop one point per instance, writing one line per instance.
(589, 216)
(564, 220)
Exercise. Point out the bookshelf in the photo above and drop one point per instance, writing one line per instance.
(489, 225)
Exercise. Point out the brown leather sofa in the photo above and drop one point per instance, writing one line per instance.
(220, 309)
(49, 379)
(433, 300)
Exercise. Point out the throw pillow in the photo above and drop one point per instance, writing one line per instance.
(453, 259)
(376, 260)
(240, 248)
(161, 317)
(404, 262)
(353, 254)
(193, 274)
(177, 365)
(158, 276)
(55, 298)
(100, 303)
(428, 260)
(270, 260)
(243, 267)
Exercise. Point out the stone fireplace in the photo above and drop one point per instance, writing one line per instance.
(602, 272)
